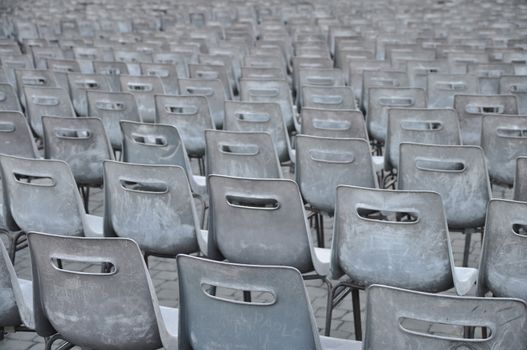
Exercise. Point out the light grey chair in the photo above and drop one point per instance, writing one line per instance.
(111, 108)
(489, 75)
(259, 117)
(471, 108)
(334, 97)
(381, 79)
(338, 123)
(132, 191)
(41, 195)
(458, 173)
(442, 88)
(418, 125)
(398, 238)
(8, 98)
(33, 78)
(381, 99)
(517, 86)
(16, 309)
(110, 308)
(83, 144)
(112, 69)
(213, 90)
(503, 139)
(61, 68)
(212, 72)
(46, 101)
(241, 153)
(391, 312)
(322, 164)
(283, 320)
(322, 77)
(144, 88)
(503, 261)
(166, 72)
(80, 83)
(145, 143)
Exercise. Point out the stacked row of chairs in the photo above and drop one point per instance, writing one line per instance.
(394, 118)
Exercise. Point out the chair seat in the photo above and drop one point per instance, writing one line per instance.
(203, 241)
(322, 260)
(329, 343)
(93, 225)
(26, 310)
(168, 327)
(464, 279)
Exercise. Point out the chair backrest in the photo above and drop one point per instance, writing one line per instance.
(276, 91)
(323, 163)
(417, 125)
(259, 116)
(132, 191)
(241, 153)
(213, 90)
(398, 238)
(520, 180)
(322, 77)
(15, 135)
(334, 97)
(503, 139)
(262, 73)
(379, 79)
(489, 75)
(356, 70)
(34, 78)
(166, 72)
(111, 108)
(8, 98)
(190, 115)
(515, 85)
(212, 72)
(41, 195)
(173, 58)
(443, 87)
(112, 69)
(144, 88)
(418, 71)
(471, 108)
(339, 123)
(80, 142)
(44, 101)
(258, 221)
(394, 315)
(103, 317)
(282, 321)
(458, 173)
(502, 265)
(80, 83)
(381, 99)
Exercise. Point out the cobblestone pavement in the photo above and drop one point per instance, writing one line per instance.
(164, 276)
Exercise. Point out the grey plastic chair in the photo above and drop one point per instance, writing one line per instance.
(41, 195)
(417, 125)
(517, 86)
(213, 90)
(112, 69)
(471, 108)
(144, 88)
(241, 153)
(261, 221)
(83, 144)
(418, 71)
(8, 98)
(327, 77)
(173, 58)
(99, 317)
(443, 87)
(458, 173)
(335, 97)
(503, 261)
(338, 123)
(208, 317)
(132, 191)
(257, 73)
(80, 83)
(111, 108)
(398, 238)
(324, 163)
(503, 139)
(262, 117)
(388, 308)
(60, 68)
(166, 72)
(381, 99)
(33, 78)
(212, 72)
(276, 91)
(356, 70)
(489, 75)
(16, 294)
(15, 135)
(381, 79)
(46, 101)
(145, 143)
(520, 180)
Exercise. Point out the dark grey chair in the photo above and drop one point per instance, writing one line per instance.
(282, 319)
(114, 307)
(397, 238)
(392, 311)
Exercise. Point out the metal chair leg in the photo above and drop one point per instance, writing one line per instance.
(356, 313)
(466, 251)
(319, 220)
